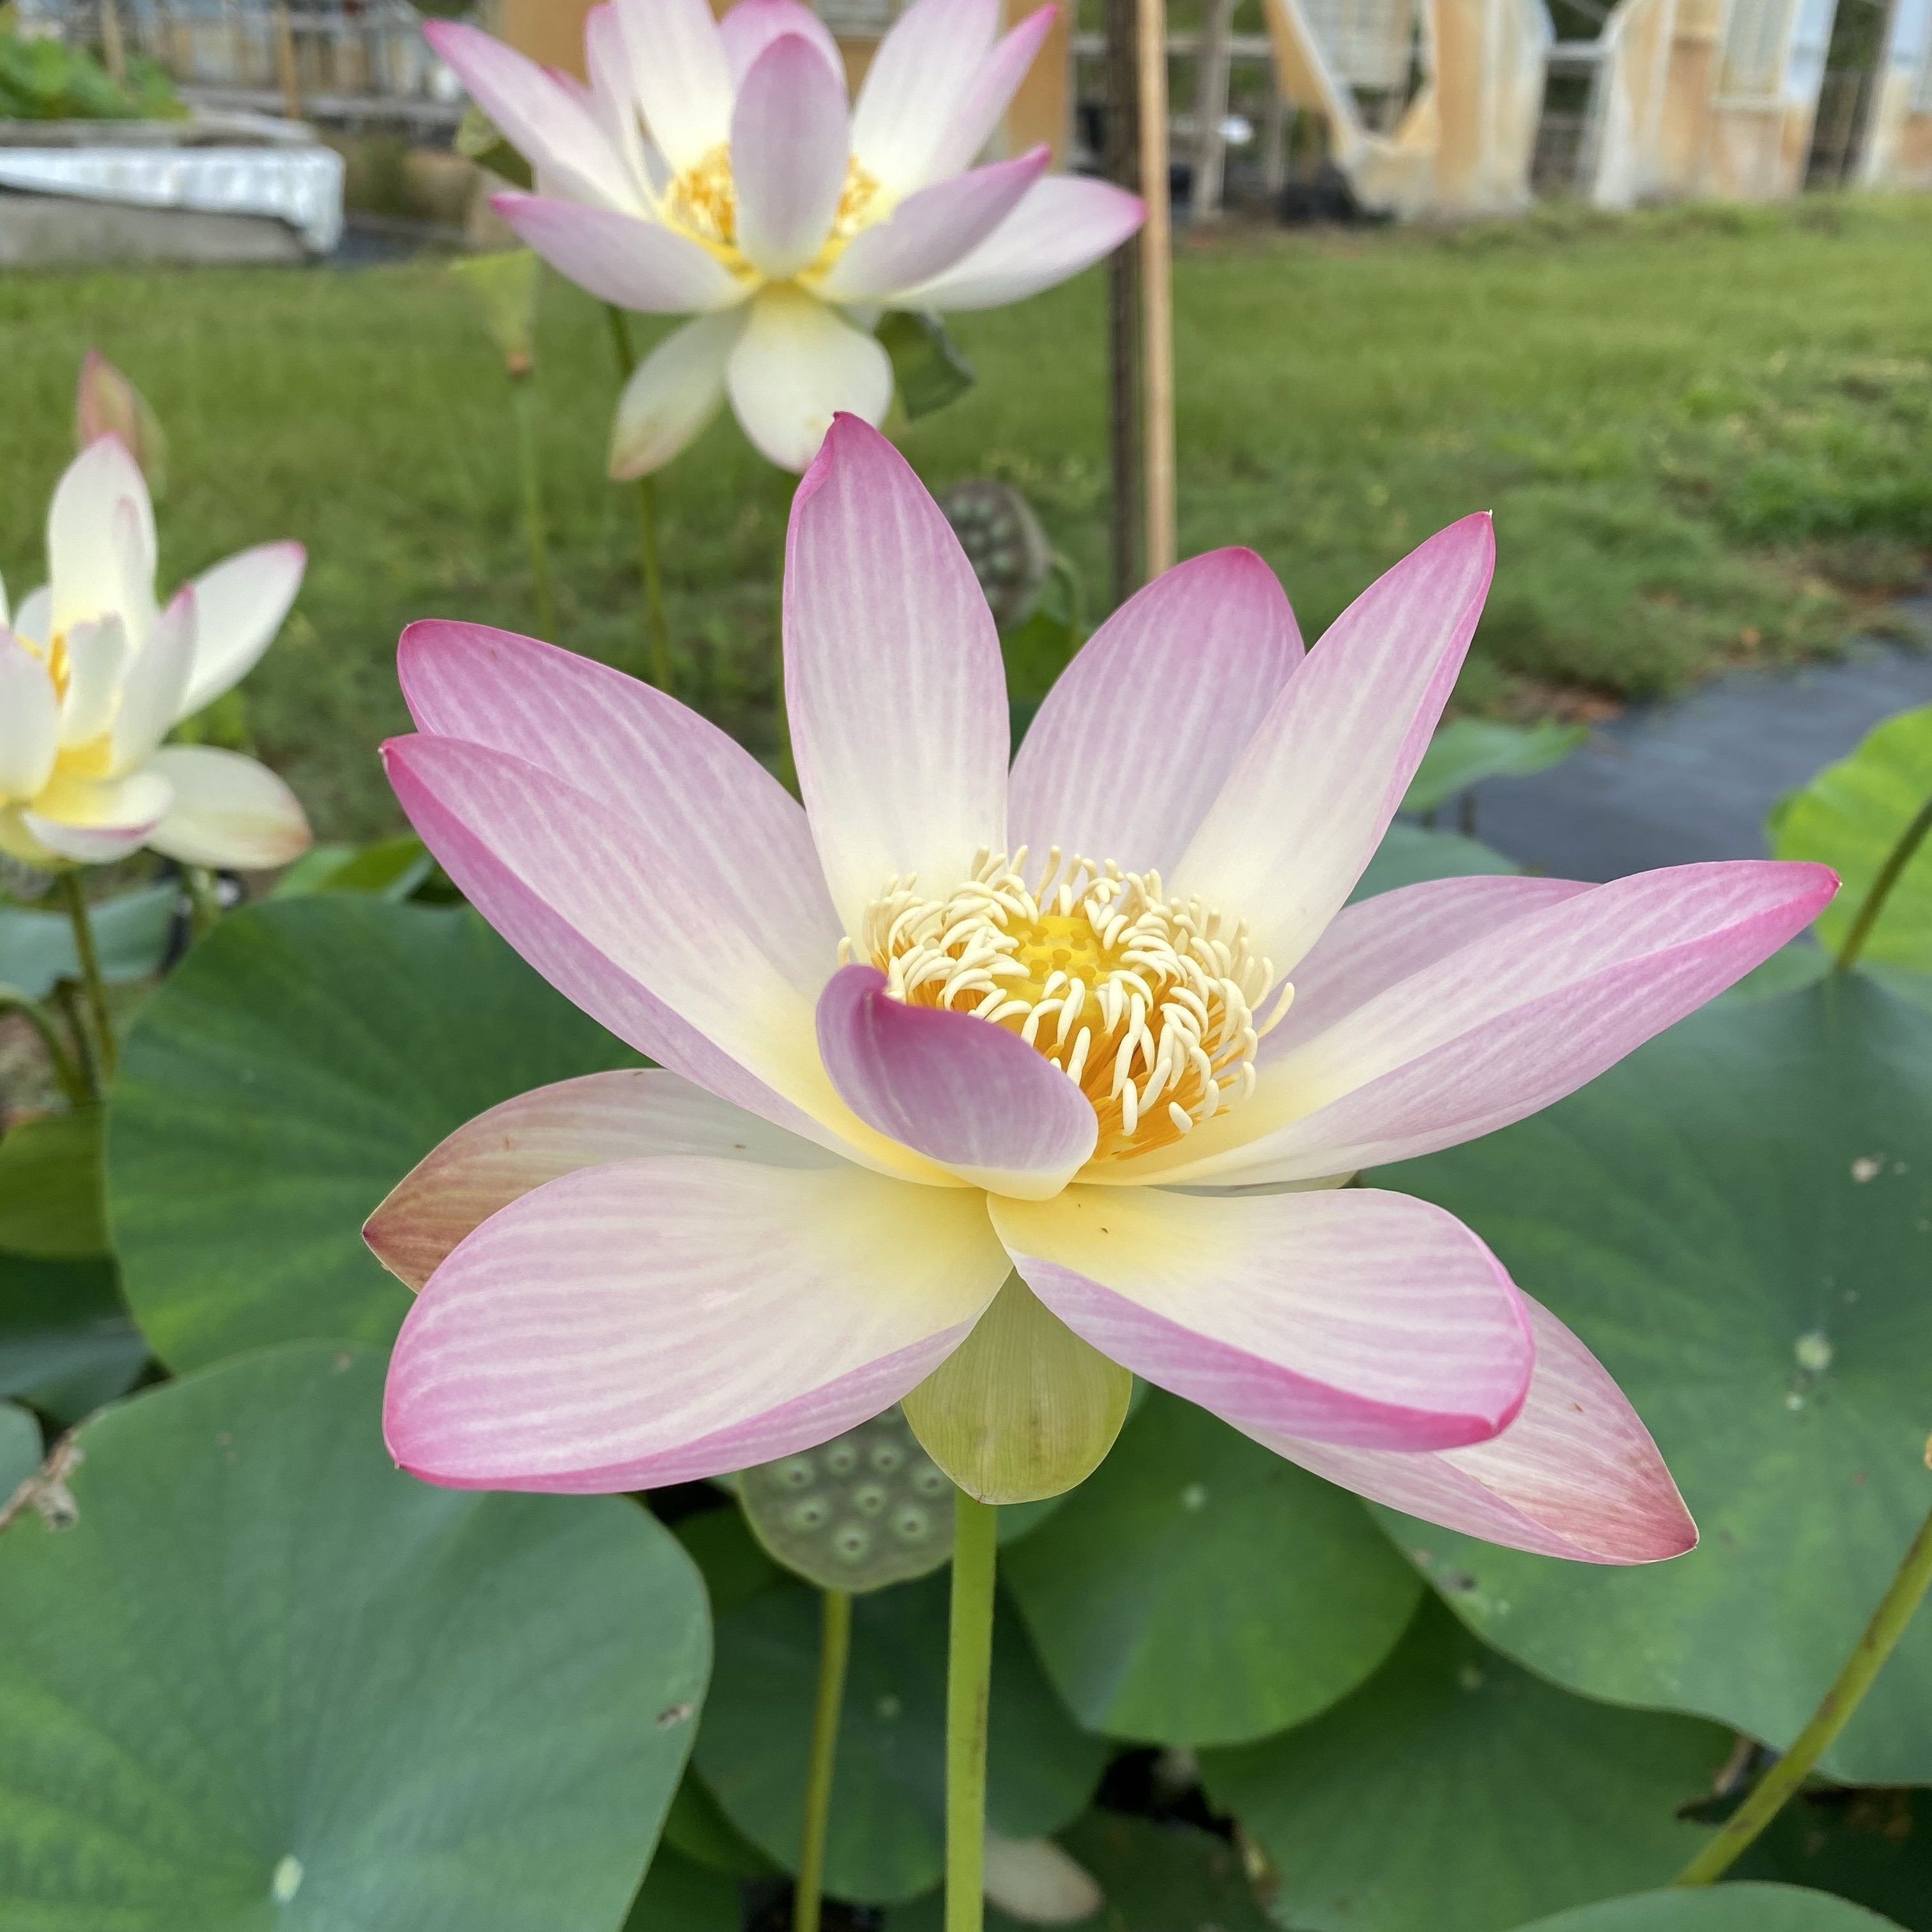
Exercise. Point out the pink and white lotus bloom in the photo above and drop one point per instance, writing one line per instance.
(1082, 1048)
(713, 169)
(94, 674)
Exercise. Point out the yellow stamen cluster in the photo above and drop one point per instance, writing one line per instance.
(702, 200)
(1146, 1003)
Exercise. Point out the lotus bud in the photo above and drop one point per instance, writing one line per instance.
(105, 403)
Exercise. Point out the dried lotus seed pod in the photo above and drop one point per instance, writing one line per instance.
(1004, 542)
(867, 1509)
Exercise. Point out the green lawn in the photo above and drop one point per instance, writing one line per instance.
(1707, 434)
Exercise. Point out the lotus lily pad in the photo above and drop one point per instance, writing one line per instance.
(1872, 1847)
(267, 1679)
(50, 1187)
(1727, 1908)
(1851, 816)
(1456, 1792)
(302, 1059)
(1466, 750)
(67, 1342)
(20, 1449)
(1737, 1219)
(1408, 854)
(680, 1896)
(131, 935)
(886, 1839)
(1198, 1589)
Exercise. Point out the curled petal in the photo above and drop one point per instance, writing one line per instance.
(797, 365)
(239, 606)
(98, 552)
(94, 821)
(994, 86)
(750, 26)
(679, 72)
(1064, 224)
(788, 151)
(917, 81)
(227, 811)
(151, 692)
(970, 1095)
(672, 393)
(657, 1320)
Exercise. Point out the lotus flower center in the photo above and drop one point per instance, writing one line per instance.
(702, 200)
(1146, 1003)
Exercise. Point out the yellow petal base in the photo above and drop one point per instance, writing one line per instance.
(1023, 1408)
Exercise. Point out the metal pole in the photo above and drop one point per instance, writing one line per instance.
(1123, 305)
(1156, 287)
(1210, 110)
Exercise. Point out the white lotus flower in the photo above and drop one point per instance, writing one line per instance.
(94, 674)
(714, 168)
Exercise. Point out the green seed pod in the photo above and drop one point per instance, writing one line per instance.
(1004, 542)
(869, 1508)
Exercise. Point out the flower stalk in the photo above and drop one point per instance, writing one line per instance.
(95, 987)
(1897, 859)
(835, 1647)
(650, 555)
(523, 391)
(1785, 1778)
(68, 1071)
(969, 1672)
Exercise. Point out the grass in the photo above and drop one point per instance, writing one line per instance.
(1706, 433)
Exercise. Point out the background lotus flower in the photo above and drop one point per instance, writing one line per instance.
(94, 674)
(751, 196)
(905, 1080)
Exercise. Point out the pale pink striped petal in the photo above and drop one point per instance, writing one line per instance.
(29, 720)
(637, 265)
(1576, 1474)
(994, 86)
(1134, 739)
(499, 1156)
(1506, 1025)
(1355, 1317)
(607, 62)
(1374, 944)
(750, 26)
(978, 1100)
(227, 811)
(698, 793)
(893, 678)
(798, 364)
(551, 125)
(1310, 796)
(931, 230)
(614, 917)
(239, 606)
(678, 70)
(1064, 223)
(915, 86)
(658, 1321)
(100, 536)
(154, 684)
(789, 142)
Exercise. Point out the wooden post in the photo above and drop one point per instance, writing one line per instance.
(1123, 305)
(1280, 118)
(287, 72)
(1210, 110)
(1157, 286)
(113, 49)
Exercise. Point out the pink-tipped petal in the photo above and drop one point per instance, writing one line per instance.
(893, 679)
(1507, 1024)
(673, 394)
(29, 720)
(1309, 798)
(550, 124)
(657, 1321)
(699, 793)
(1375, 944)
(1355, 1317)
(931, 230)
(100, 536)
(619, 922)
(1065, 224)
(797, 365)
(914, 88)
(154, 683)
(501, 1155)
(751, 25)
(1136, 737)
(789, 142)
(993, 87)
(966, 1093)
(679, 72)
(637, 265)
(239, 606)
(227, 811)
(1576, 1474)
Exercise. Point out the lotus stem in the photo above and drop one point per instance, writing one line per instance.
(1782, 1781)
(650, 557)
(204, 900)
(835, 1646)
(523, 392)
(67, 1070)
(72, 898)
(1896, 861)
(969, 1674)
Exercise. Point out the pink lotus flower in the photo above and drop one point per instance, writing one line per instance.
(910, 1044)
(94, 674)
(754, 200)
